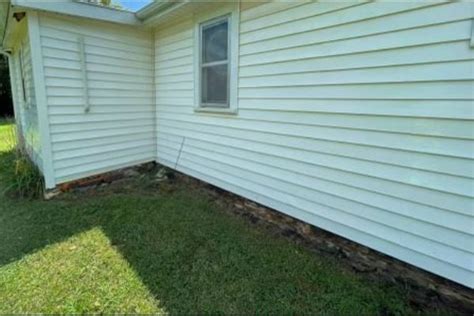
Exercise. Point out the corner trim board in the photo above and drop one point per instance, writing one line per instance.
(41, 98)
(14, 92)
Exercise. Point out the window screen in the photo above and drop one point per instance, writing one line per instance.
(214, 62)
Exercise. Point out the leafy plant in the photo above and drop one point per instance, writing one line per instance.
(22, 176)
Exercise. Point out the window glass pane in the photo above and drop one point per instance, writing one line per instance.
(214, 84)
(214, 42)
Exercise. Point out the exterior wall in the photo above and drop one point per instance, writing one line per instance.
(25, 97)
(354, 117)
(115, 79)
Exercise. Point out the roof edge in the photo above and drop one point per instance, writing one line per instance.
(80, 9)
(158, 9)
(151, 8)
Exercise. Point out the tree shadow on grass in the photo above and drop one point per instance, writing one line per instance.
(193, 257)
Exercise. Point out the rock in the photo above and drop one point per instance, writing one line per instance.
(148, 166)
(239, 206)
(50, 194)
(161, 175)
(131, 173)
(86, 188)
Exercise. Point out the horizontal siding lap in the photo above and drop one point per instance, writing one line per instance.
(97, 167)
(267, 9)
(109, 147)
(391, 108)
(93, 60)
(163, 41)
(167, 86)
(66, 102)
(65, 147)
(177, 70)
(182, 61)
(447, 90)
(423, 54)
(175, 48)
(98, 84)
(301, 194)
(298, 13)
(119, 128)
(123, 78)
(69, 165)
(422, 36)
(104, 125)
(83, 135)
(349, 14)
(306, 161)
(317, 179)
(99, 92)
(384, 24)
(414, 126)
(280, 144)
(111, 108)
(447, 71)
(102, 31)
(65, 41)
(184, 53)
(433, 145)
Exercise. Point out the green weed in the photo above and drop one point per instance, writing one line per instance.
(22, 177)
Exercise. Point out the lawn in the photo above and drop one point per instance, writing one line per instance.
(139, 247)
(6, 130)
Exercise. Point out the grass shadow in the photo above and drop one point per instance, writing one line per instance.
(6, 120)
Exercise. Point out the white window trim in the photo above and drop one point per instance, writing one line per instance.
(232, 11)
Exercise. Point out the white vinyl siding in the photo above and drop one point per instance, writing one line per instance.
(355, 117)
(25, 99)
(102, 117)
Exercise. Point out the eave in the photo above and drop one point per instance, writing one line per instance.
(79, 9)
(158, 10)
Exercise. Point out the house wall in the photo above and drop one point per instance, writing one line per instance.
(25, 96)
(354, 117)
(114, 81)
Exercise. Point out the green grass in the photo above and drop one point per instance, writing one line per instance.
(74, 276)
(136, 247)
(6, 132)
(20, 177)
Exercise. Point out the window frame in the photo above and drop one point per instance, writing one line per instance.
(229, 11)
(202, 65)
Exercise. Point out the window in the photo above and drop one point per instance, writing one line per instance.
(215, 63)
(216, 58)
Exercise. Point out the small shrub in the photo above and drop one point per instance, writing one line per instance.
(22, 178)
